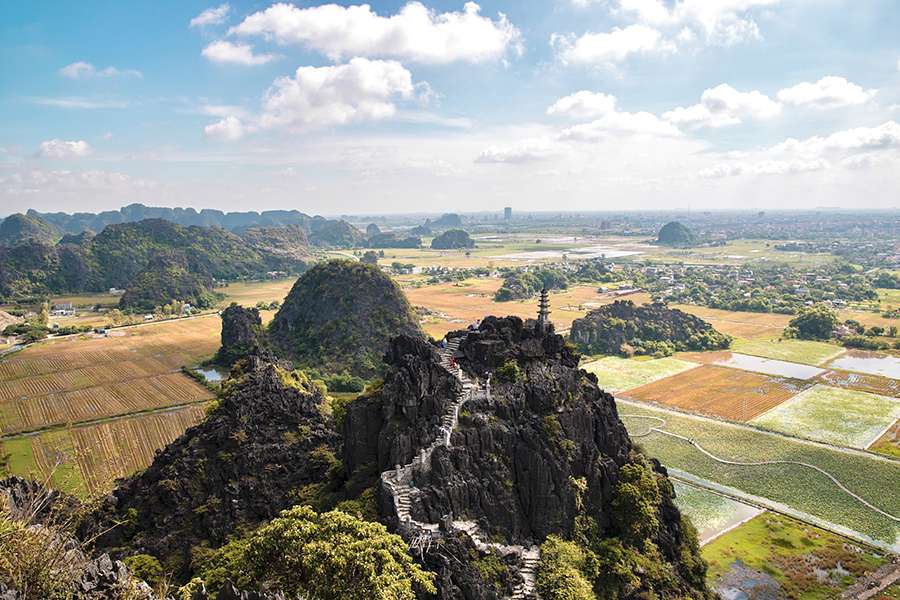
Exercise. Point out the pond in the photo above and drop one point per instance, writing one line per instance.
(212, 375)
(584, 252)
(770, 366)
(868, 362)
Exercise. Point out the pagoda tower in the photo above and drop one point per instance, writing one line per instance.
(543, 320)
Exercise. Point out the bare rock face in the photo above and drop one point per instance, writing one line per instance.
(236, 469)
(242, 335)
(534, 457)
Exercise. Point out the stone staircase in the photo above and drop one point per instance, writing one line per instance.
(399, 482)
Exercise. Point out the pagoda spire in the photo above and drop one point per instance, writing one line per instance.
(543, 320)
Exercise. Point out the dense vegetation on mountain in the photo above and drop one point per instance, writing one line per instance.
(813, 323)
(114, 257)
(675, 234)
(420, 230)
(19, 228)
(289, 243)
(452, 239)
(167, 278)
(626, 329)
(78, 222)
(521, 284)
(340, 234)
(392, 240)
(372, 229)
(339, 317)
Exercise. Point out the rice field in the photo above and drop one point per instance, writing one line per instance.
(248, 293)
(720, 391)
(748, 325)
(615, 374)
(862, 382)
(889, 443)
(833, 415)
(712, 514)
(86, 378)
(805, 490)
(86, 459)
(798, 351)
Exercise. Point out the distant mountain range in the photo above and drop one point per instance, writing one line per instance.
(235, 221)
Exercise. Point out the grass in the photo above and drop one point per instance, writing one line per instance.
(799, 351)
(833, 415)
(740, 324)
(248, 293)
(710, 513)
(793, 553)
(795, 486)
(617, 374)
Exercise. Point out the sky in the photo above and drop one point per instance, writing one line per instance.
(436, 106)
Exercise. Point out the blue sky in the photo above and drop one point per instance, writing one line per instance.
(399, 106)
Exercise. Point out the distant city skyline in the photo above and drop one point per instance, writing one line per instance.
(439, 106)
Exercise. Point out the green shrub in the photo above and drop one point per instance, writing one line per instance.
(509, 373)
(144, 566)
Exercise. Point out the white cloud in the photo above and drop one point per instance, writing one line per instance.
(57, 148)
(76, 102)
(415, 33)
(228, 129)
(583, 105)
(620, 123)
(724, 22)
(85, 70)
(723, 105)
(770, 167)
(860, 139)
(360, 90)
(527, 151)
(828, 92)
(211, 16)
(223, 52)
(608, 48)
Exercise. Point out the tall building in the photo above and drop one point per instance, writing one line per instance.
(507, 213)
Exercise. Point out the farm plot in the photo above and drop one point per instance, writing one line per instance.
(889, 443)
(740, 324)
(872, 478)
(874, 384)
(616, 374)
(88, 458)
(769, 366)
(786, 558)
(711, 513)
(833, 415)
(81, 379)
(868, 362)
(796, 351)
(721, 391)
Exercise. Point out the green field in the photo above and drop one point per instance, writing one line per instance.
(798, 351)
(807, 562)
(710, 513)
(833, 415)
(798, 487)
(616, 374)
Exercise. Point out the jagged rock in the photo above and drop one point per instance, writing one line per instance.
(230, 592)
(239, 467)
(28, 500)
(242, 335)
(524, 461)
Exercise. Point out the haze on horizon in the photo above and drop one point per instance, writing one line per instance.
(440, 106)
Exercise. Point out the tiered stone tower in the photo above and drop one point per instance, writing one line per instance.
(543, 320)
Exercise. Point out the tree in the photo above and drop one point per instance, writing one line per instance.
(370, 258)
(814, 323)
(327, 556)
